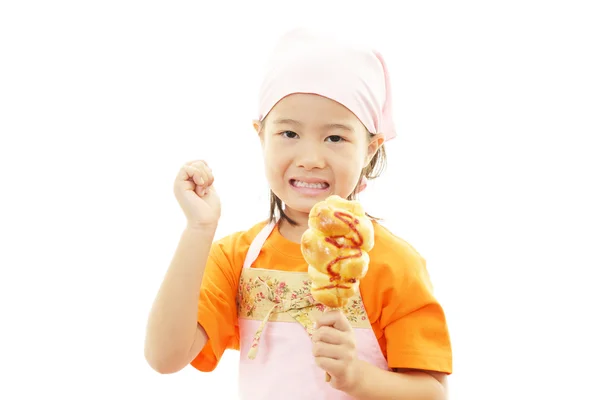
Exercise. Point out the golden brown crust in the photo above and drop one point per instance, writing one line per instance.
(335, 246)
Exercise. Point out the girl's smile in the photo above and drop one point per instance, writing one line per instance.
(310, 187)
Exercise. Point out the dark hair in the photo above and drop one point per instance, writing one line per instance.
(373, 170)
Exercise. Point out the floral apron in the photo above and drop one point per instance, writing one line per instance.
(276, 314)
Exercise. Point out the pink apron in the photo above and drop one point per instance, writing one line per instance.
(276, 314)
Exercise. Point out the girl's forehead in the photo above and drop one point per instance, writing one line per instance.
(311, 108)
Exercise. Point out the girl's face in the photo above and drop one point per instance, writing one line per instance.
(313, 147)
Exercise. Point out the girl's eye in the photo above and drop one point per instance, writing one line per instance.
(336, 139)
(289, 134)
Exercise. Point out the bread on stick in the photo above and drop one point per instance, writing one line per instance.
(336, 246)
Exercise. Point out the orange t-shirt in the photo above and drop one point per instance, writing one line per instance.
(397, 294)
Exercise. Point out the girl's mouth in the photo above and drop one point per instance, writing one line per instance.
(309, 185)
(309, 188)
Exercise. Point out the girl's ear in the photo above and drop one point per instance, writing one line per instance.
(257, 125)
(374, 145)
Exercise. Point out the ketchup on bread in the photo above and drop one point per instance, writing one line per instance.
(336, 246)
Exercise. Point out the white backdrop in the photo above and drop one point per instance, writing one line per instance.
(493, 178)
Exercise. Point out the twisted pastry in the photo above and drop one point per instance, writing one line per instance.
(335, 247)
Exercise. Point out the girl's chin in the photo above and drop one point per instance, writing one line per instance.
(299, 203)
(302, 206)
(299, 208)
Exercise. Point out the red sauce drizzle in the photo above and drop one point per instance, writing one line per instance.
(356, 243)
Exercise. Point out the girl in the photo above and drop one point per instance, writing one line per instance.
(324, 115)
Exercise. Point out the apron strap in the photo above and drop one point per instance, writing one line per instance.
(257, 244)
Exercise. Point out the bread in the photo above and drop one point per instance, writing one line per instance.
(336, 246)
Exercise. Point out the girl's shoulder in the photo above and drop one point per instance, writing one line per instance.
(393, 259)
(388, 244)
(238, 242)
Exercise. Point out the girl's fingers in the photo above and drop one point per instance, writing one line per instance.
(326, 350)
(198, 176)
(328, 334)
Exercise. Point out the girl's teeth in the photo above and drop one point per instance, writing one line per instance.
(310, 185)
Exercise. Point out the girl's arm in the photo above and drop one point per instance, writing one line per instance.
(379, 384)
(173, 336)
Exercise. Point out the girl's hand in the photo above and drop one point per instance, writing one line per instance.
(196, 195)
(334, 348)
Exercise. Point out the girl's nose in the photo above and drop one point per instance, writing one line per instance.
(310, 158)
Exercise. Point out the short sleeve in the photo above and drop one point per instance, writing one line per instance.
(414, 323)
(217, 312)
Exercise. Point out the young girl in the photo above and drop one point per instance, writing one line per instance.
(324, 115)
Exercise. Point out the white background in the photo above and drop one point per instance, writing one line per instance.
(493, 178)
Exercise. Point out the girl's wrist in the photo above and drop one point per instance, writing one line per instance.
(201, 230)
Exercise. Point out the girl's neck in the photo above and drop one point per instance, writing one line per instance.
(290, 232)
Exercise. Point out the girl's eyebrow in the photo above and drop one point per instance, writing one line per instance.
(287, 121)
(290, 121)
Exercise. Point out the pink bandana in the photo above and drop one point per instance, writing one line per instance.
(304, 62)
(356, 77)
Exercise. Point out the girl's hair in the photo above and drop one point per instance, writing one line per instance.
(371, 171)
